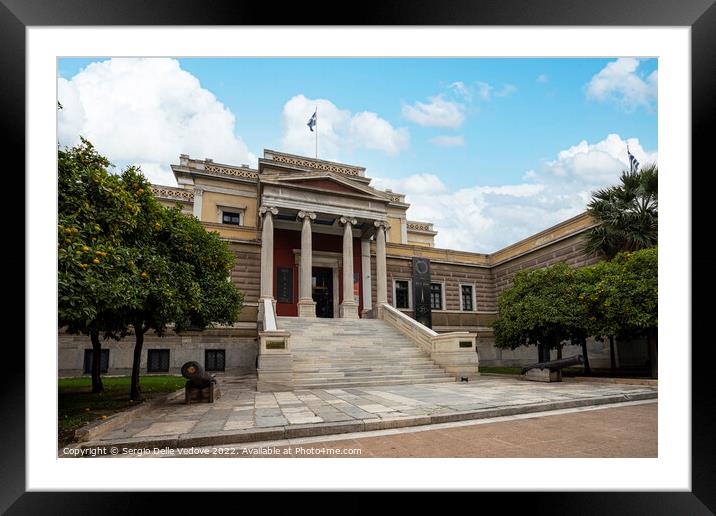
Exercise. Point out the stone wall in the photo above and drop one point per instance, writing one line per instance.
(239, 344)
(246, 276)
(491, 356)
(451, 275)
(489, 281)
(570, 249)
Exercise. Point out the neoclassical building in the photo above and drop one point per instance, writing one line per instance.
(314, 241)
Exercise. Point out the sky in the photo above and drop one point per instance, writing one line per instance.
(490, 150)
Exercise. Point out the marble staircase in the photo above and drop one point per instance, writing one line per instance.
(338, 353)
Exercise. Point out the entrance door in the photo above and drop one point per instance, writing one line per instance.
(322, 282)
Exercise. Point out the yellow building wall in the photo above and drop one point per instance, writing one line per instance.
(421, 240)
(185, 208)
(211, 202)
(394, 231)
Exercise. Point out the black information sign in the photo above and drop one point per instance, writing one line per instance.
(421, 291)
(284, 286)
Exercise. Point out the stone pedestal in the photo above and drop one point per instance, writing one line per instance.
(306, 308)
(208, 394)
(348, 310)
(275, 365)
(543, 375)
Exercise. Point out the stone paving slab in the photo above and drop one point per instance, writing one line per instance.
(244, 415)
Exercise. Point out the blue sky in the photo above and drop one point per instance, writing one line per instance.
(486, 133)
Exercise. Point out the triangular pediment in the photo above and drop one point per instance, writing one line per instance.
(326, 182)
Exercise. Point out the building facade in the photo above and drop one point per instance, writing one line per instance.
(316, 240)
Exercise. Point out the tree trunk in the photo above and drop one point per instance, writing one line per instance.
(559, 351)
(97, 386)
(135, 392)
(587, 368)
(652, 342)
(540, 352)
(612, 356)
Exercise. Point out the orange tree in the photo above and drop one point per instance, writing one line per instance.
(182, 271)
(127, 265)
(622, 299)
(542, 307)
(95, 283)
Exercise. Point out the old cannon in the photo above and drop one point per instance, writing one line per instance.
(550, 371)
(200, 386)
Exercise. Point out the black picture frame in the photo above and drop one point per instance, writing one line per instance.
(700, 15)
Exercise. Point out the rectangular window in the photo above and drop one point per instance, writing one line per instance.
(215, 359)
(436, 296)
(467, 301)
(402, 299)
(229, 217)
(157, 360)
(103, 361)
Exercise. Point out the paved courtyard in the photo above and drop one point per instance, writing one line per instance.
(244, 415)
(624, 431)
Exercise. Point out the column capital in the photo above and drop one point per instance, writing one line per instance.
(198, 192)
(271, 209)
(306, 215)
(348, 220)
(381, 223)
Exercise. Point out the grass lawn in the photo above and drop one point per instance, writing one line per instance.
(78, 406)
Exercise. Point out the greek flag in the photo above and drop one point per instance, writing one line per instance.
(312, 121)
(633, 163)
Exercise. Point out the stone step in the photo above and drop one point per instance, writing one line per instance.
(357, 360)
(318, 366)
(329, 353)
(305, 367)
(321, 376)
(358, 352)
(343, 383)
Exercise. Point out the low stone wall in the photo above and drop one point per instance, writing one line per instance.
(240, 345)
(489, 355)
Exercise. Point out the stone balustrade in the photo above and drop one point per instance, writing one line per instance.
(455, 351)
(275, 367)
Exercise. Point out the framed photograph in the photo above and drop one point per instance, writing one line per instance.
(324, 156)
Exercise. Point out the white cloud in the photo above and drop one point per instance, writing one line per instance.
(448, 141)
(507, 89)
(619, 82)
(542, 78)
(484, 90)
(420, 184)
(338, 130)
(147, 111)
(461, 90)
(488, 218)
(437, 113)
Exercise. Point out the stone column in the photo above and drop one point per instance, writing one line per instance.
(349, 308)
(267, 253)
(306, 305)
(365, 262)
(198, 198)
(381, 280)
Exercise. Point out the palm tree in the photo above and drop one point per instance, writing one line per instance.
(627, 214)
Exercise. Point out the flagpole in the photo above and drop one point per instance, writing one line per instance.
(316, 132)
